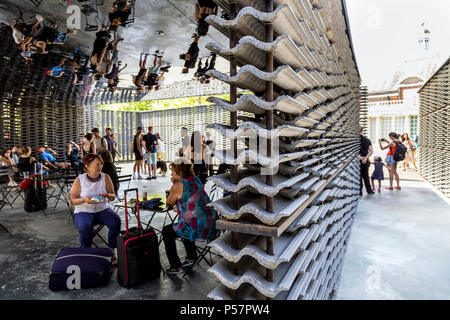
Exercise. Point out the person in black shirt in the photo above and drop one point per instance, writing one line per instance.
(73, 156)
(191, 56)
(212, 146)
(185, 142)
(110, 169)
(204, 8)
(150, 143)
(364, 155)
(137, 150)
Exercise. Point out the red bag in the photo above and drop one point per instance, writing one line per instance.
(27, 183)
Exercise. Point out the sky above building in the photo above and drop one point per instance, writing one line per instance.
(386, 34)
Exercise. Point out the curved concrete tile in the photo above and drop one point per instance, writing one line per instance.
(257, 182)
(250, 21)
(285, 248)
(251, 78)
(253, 129)
(253, 104)
(250, 50)
(282, 208)
(244, 156)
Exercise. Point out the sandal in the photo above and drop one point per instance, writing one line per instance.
(389, 188)
(115, 261)
(173, 270)
(187, 263)
(398, 188)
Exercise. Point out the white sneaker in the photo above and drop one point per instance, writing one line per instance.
(140, 177)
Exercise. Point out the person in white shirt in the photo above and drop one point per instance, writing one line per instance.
(160, 155)
(100, 142)
(85, 190)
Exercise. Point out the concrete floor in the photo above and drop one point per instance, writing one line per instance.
(399, 246)
(392, 254)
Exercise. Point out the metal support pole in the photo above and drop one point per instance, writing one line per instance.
(269, 98)
(233, 125)
(233, 100)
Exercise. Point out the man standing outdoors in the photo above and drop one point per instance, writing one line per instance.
(109, 140)
(211, 146)
(100, 142)
(150, 143)
(137, 150)
(365, 153)
(185, 142)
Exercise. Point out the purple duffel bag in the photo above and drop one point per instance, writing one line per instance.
(81, 268)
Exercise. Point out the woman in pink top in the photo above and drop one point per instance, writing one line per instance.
(391, 163)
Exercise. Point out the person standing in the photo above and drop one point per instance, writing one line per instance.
(110, 169)
(410, 154)
(198, 153)
(109, 140)
(89, 145)
(138, 155)
(160, 155)
(185, 142)
(190, 58)
(392, 164)
(100, 142)
(115, 149)
(365, 152)
(211, 146)
(150, 143)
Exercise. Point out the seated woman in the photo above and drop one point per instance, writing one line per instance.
(73, 156)
(6, 162)
(87, 186)
(27, 162)
(109, 168)
(196, 220)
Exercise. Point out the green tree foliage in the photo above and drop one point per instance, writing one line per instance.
(153, 105)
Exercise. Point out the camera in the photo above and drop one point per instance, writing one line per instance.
(183, 56)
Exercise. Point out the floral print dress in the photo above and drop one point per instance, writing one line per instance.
(196, 220)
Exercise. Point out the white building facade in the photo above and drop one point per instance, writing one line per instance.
(393, 106)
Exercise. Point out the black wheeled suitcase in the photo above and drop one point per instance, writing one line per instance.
(137, 252)
(35, 197)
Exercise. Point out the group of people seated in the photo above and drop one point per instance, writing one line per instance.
(21, 163)
(38, 37)
(41, 37)
(93, 189)
(104, 58)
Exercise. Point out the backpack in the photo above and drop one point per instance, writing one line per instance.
(400, 152)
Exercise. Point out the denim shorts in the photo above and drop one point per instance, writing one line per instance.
(390, 160)
(151, 157)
